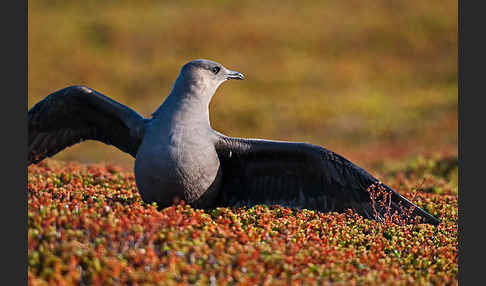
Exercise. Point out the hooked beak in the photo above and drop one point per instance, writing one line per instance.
(234, 75)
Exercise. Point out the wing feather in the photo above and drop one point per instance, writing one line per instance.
(77, 113)
(298, 175)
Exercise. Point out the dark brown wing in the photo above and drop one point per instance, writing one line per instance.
(77, 113)
(298, 175)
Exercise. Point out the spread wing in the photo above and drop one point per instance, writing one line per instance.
(299, 175)
(77, 113)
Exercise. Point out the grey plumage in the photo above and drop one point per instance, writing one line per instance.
(179, 155)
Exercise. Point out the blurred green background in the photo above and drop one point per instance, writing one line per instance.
(371, 80)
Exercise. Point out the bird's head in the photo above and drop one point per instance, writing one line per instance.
(206, 75)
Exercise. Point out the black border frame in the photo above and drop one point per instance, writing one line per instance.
(471, 197)
(14, 143)
(471, 143)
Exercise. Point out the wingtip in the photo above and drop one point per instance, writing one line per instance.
(427, 217)
(434, 221)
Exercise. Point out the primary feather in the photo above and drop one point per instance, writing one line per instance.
(77, 113)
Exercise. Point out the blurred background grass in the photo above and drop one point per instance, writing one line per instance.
(369, 80)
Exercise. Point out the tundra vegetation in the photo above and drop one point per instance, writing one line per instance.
(374, 82)
(89, 226)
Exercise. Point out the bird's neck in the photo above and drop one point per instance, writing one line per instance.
(186, 106)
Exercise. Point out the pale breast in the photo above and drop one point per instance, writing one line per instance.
(179, 166)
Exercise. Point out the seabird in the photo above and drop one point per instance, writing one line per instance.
(179, 156)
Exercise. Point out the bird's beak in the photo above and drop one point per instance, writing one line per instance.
(234, 75)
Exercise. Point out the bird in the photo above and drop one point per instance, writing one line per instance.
(179, 156)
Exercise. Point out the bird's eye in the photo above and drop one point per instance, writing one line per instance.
(215, 70)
